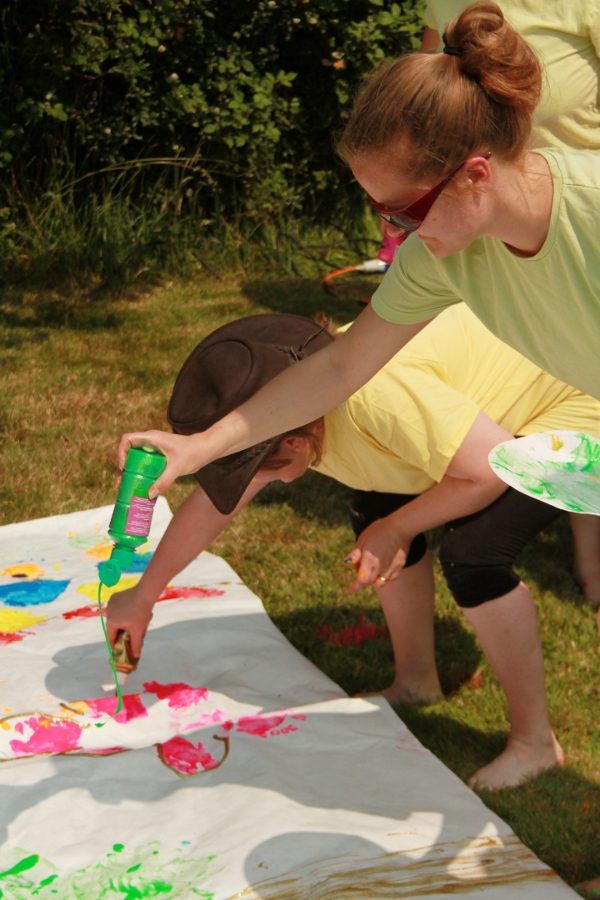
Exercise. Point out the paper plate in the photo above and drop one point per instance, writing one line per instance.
(561, 468)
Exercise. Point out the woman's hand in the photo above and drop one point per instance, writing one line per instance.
(380, 553)
(128, 611)
(181, 450)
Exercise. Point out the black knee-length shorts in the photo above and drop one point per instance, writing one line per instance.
(477, 552)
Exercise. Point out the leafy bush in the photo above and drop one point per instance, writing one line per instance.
(245, 94)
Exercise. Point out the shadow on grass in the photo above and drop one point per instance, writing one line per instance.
(306, 297)
(548, 560)
(48, 309)
(333, 638)
(312, 497)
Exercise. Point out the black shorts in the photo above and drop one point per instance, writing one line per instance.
(477, 552)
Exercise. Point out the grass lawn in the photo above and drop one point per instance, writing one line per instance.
(75, 375)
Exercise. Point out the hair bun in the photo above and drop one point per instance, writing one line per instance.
(495, 55)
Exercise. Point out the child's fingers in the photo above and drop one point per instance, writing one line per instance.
(136, 637)
(366, 573)
(353, 557)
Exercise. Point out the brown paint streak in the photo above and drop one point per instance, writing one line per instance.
(450, 868)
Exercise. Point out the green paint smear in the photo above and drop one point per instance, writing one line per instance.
(571, 482)
(137, 875)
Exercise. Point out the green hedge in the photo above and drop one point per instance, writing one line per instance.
(246, 94)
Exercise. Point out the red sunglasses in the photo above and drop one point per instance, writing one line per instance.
(411, 217)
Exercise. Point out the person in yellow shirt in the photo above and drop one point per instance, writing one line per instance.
(565, 34)
(413, 445)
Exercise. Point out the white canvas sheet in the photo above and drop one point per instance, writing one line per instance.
(252, 775)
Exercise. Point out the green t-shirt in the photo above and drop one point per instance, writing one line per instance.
(566, 36)
(546, 306)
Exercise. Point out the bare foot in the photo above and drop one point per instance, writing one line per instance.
(518, 762)
(427, 691)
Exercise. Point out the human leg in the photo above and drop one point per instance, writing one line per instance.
(477, 555)
(407, 604)
(507, 629)
(586, 555)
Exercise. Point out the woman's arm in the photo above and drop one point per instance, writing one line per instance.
(299, 395)
(468, 486)
(192, 529)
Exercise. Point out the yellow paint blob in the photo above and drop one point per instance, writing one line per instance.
(8, 709)
(100, 552)
(556, 442)
(91, 588)
(27, 570)
(56, 567)
(5, 725)
(14, 620)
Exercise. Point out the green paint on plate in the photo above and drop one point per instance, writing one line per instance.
(561, 468)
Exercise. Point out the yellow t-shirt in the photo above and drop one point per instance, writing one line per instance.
(546, 306)
(566, 36)
(400, 431)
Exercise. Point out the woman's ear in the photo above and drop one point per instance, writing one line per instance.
(479, 172)
(292, 445)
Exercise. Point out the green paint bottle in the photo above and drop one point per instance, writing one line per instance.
(130, 523)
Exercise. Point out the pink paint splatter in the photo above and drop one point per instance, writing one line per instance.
(84, 612)
(353, 634)
(133, 708)
(264, 725)
(9, 637)
(213, 718)
(189, 593)
(180, 695)
(49, 736)
(181, 755)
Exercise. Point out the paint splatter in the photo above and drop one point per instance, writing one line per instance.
(133, 708)
(48, 735)
(557, 444)
(180, 695)
(8, 638)
(90, 589)
(184, 758)
(140, 874)
(353, 634)
(32, 593)
(12, 620)
(24, 570)
(100, 552)
(268, 724)
(83, 612)
(84, 540)
(178, 592)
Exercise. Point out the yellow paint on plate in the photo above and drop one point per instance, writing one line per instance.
(5, 725)
(14, 620)
(56, 567)
(91, 588)
(556, 442)
(27, 570)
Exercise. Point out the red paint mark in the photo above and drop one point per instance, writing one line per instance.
(180, 695)
(189, 593)
(353, 634)
(264, 725)
(105, 751)
(48, 736)
(182, 755)
(133, 708)
(84, 612)
(213, 718)
(9, 637)
(227, 726)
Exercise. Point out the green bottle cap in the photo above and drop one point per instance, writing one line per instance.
(110, 570)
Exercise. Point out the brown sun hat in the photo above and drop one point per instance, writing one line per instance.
(222, 372)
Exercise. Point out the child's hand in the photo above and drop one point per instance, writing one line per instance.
(180, 450)
(379, 555)
(128, 611)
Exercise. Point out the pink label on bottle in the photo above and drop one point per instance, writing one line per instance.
(139, 517)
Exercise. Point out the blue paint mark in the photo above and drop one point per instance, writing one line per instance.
(139, 563)
(32, 593)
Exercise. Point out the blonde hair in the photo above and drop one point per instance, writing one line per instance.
(431, 111)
